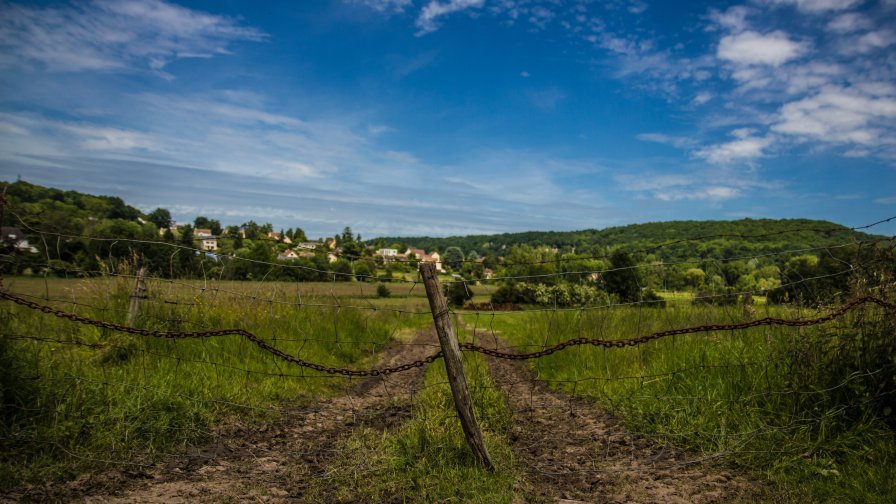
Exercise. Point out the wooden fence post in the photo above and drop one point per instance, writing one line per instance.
(453, 364)
(137, 297)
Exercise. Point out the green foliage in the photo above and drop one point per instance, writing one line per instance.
(622, 279)
(453, 258)
(457, 293)
(383, 291)
(561, 295)
(363, 271)
(161, 217)
(776, 235)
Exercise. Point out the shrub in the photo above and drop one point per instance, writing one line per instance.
(457, 293)
(383, 291)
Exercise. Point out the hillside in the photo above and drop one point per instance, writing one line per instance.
(703, 239)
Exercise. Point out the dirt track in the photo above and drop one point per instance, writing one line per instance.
(574, 452)
(569, 451)
(268, 463)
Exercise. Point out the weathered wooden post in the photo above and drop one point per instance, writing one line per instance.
(453, 364)
(137, 297)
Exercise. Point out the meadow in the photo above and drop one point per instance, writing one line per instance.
(807, 409)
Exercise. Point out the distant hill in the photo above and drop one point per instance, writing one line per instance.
(43, 202)
(703, 239)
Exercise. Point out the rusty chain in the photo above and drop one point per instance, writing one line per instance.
(620, 343)
(257, 340)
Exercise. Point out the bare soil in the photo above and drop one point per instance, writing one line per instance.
(571, 451)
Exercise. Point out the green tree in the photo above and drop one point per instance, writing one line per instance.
(453, 258)
(622, 278)
(362, 271)
(161, 217)
(695, 277)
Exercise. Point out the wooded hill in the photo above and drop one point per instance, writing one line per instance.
(672, 240)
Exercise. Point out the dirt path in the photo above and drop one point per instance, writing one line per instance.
(268, 462)
(573, 452)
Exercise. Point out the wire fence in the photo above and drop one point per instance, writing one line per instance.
(613, 389)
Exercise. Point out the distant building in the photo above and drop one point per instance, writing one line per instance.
(279, 237)
(202, 233)
(422, 256)
(288, 255)
(307, 245)
(208, 243)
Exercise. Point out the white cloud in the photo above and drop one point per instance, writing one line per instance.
(870, 41)
(714, 193)
(849, 22)
(702, 98)
(818, 6)
(678, 142)
(752, 48)
(886, 201)
(427, 21)
(654, 181)
(858, 115)
(114, 35)
(734, 19)
(386, 6)
(744, 148)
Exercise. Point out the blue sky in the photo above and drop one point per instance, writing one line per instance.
(445, 117)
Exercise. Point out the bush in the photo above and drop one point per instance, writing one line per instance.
(383, 291)
(457, 293)
(549, 295)
(652, 298)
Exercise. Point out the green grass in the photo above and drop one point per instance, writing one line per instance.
(427, 458)
(71, 407)
(796, 404)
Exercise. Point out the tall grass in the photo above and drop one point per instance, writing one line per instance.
(809, 407)
(91, 396)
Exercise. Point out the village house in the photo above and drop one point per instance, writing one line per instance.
(279, 237)
(174, 227)
(209, 243)
(202, 233)
(388, 255)
(307, 245)
(422, 256)
(288, 255)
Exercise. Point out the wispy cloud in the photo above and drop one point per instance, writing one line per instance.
(678, 142)
(863, 115)
(114, 35)
(817, 6)
(428, 20)
(743, 149)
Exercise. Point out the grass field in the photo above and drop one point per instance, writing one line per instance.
(806, 407)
